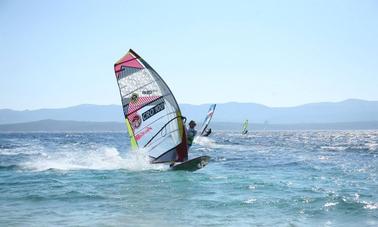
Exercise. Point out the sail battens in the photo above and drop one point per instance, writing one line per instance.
(141, 87)
(159, 141)
(160, 130)
(160, 118)
(126, 106)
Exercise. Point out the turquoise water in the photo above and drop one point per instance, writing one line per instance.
(279, 178)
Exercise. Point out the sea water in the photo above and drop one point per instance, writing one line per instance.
(266, 178)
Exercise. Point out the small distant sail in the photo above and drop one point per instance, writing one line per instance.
(245, 127)
(153, 117)
(209, 115)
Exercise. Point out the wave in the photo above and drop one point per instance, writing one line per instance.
(9, 167)
(351, 148)
(349, 202)
(72, 195)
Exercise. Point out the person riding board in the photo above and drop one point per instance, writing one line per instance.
(191, 132)
(207, 132)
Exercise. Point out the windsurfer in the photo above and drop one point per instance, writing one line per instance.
(207, 132)
(191, 132)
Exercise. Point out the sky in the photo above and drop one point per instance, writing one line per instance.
(277, 53)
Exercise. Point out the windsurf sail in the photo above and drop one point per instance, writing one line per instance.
(245, 127)
(153, 117)
(209, 115)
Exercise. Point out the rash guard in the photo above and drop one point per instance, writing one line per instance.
(191, 134)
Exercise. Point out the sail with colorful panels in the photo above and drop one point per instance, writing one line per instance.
(245, 127)
(153, 117)
(206, 123)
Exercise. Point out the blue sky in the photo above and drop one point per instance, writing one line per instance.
(277, 53)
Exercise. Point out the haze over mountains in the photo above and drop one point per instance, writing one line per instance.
(351, 110)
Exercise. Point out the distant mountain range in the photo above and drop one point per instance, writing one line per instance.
(86, 112)
(79, 126)
(351, 110)
(64, 126)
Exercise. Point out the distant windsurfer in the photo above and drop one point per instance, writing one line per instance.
(191, 132)
(245, 127)
(207, 132)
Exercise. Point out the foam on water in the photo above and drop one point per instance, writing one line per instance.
(204, 141)
(250, 201)
(330, 204)
(370, 205)
(102, 158)
(23, 150)
(209, 144)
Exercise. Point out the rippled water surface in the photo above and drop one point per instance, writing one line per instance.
(278, 178)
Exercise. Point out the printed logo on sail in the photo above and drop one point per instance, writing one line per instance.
(154, 110)
(136, 121)
(134, 98)
(148, 92)
(142, 133)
